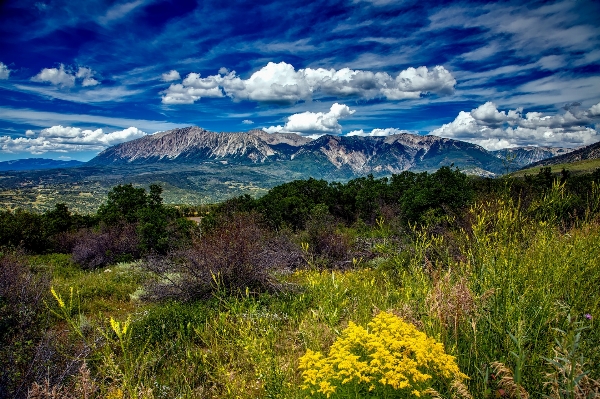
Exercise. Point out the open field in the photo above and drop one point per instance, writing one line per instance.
(504, 291)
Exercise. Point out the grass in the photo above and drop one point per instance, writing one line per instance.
(579, 167)
(511, 289)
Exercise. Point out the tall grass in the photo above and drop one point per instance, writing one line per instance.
(506, 294)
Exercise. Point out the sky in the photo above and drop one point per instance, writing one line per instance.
(77, 77)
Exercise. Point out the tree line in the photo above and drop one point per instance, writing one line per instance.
(134, 222)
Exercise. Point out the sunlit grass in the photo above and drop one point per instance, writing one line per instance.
(501, 298)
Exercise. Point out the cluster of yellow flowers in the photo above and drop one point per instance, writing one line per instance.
(391, 355)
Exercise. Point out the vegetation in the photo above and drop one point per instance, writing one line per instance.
(585, 166)
(345, 289)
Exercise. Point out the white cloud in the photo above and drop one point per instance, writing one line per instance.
(56, 76)
(192, 89)
(282, 83)
(494, 129)
(411, 82)
(379, 132)
(4, 71)
(65, 78)
(170, 76)
(314, 122)
(247, 122)
(87, 75)
(29, 133)
(66, 139)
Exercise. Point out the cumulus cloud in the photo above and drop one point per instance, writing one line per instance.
(314, 123)
(494, 129)
(282, 83)
(192, 89)
(170, 76)
(379, 132)
(247, 122)
(66, 78)
(55, 76)
(4, 71)
(65, 139)
(86, 74)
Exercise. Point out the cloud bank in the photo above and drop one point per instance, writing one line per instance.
(494, 129)
(67, 139)
(282, 83)
(314, 123)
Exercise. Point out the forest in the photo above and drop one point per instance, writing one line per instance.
(435, 285)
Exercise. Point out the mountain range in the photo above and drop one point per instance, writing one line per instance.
(325, 157)
(519, 157)
(589, 152)
(198, 166)
(37, 164)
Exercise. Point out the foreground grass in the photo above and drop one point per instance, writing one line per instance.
(509, 290)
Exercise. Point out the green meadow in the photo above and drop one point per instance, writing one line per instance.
(316, 290)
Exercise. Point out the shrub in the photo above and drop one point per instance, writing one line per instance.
(390, 359)
(107, 245)
(23, 229)
(327, 245)
(21, 309)
(233, 258)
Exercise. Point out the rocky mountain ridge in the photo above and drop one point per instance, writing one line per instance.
(516, 158)
(591, 151)
(344, 155)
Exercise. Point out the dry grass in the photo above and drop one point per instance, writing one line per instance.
(506, 382)
(452, 301)
(83, 387)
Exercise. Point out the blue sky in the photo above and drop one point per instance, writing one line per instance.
(76, 77)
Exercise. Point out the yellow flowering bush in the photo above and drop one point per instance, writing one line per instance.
(389, 359)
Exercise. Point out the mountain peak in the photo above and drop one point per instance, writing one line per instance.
(330, 155)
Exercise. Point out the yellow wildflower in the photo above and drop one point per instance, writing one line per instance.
(58, 298)
(391, 353)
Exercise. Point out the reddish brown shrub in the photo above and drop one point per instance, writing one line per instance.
(235, 257)
(108, 245)
(21, 322)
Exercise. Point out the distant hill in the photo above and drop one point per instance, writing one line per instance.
(330, 157)
(37, 164)
(591, 151)
(518, 157)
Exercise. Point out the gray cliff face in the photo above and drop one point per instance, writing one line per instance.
(191, 144)
(348, 155)
(523, 156)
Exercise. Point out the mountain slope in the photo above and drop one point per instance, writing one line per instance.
(333, 157)
(591, 151)
(519, 157)
(193, 145)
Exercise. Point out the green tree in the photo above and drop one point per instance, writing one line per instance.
(123, 204)
(444, 190)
